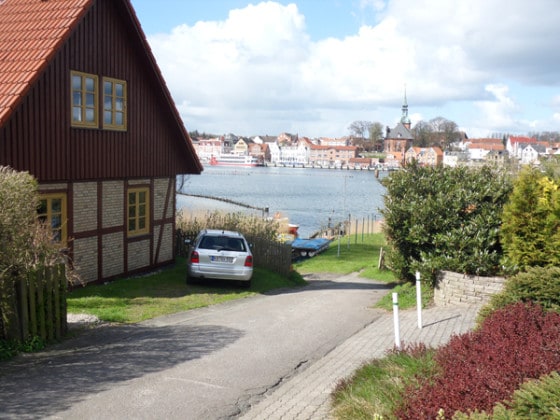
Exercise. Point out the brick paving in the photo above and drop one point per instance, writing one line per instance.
(307, 395)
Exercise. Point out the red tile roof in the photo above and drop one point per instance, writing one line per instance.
(522, 139)
(487, 146)
(484, 140)
(30, 33)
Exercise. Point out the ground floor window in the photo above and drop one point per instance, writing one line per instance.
(138, 211)
(52, 212)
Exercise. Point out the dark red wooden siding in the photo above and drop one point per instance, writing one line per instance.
(39, 138)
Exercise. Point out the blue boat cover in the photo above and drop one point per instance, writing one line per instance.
(316, 244)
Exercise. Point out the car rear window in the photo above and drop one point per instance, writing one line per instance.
(222, 243)
(207, 242)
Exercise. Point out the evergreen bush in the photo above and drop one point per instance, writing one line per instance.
(444, 218)
(535, 399)
(530, 232)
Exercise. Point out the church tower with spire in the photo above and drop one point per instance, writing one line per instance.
(399, 139)
(405, 120)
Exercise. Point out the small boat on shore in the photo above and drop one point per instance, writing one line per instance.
(301, 248)
(309, 247)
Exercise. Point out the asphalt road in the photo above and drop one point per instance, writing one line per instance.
(210, 363)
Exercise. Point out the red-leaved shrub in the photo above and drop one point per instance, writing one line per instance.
(483, 367)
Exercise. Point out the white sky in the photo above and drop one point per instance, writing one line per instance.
(312, 67)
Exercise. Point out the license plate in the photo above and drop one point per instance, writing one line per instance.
(220, 258)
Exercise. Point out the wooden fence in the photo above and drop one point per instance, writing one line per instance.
(34, 305)
(352, 226)
(272, 255)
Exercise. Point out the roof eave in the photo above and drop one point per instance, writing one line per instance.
(157, 72)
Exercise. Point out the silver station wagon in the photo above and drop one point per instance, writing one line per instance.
(220, 254)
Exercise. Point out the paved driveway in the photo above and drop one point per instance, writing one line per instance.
(210, 363)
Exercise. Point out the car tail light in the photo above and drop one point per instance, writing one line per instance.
(195, 259)
(249, 261)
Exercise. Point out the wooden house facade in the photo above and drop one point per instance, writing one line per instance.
(85, 110)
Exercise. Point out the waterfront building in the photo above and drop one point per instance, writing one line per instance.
(274, 152)
(206, 148)
(240, 148)
(295, 154)
(327, 156)
(228, 142)
(426, 156)
(260, 151)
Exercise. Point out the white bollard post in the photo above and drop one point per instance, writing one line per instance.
(396, 320)
(419, 299)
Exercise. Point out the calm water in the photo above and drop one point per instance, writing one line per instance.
(308, 197)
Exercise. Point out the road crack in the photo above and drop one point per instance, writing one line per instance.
(252, 397)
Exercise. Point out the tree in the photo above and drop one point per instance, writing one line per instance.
(444, 132)
(376, 136)
(444, 218)
(367, 135)
(545, 136)
(438, 131)
(359, 128)
(422, 133)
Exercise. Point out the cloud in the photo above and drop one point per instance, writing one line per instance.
(499, 38)
(497, 114)
(258, 71)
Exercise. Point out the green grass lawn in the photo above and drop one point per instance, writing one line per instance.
(348, 255)
(139, 298)
(361, 254)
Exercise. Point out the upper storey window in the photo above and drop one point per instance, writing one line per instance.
(84, 100)
(89, 101)
(114, 104)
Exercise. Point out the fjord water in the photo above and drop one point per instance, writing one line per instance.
(310, 198)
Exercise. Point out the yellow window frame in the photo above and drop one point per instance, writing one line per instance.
(138, 211)
(84, 99)
(114, 104)
(53, 212)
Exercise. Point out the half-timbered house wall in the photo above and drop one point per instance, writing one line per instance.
(95, 167)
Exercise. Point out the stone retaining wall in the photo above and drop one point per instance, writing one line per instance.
(455, 288)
